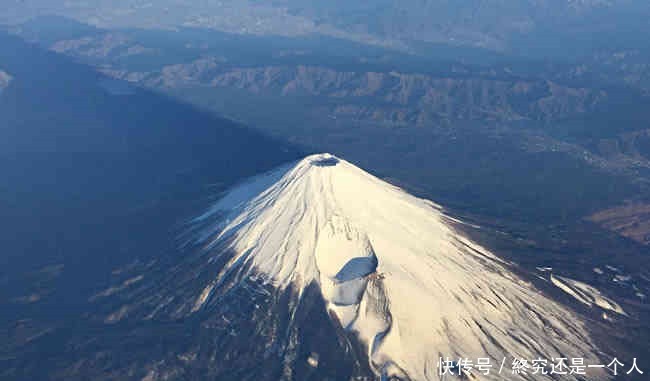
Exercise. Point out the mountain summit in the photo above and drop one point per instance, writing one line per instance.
(393, 272)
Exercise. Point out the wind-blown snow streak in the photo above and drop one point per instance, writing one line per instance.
(391, 268)
(586, 294)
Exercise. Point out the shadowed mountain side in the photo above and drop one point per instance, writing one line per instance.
(93, 178)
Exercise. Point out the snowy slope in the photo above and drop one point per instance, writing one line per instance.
(391, 268)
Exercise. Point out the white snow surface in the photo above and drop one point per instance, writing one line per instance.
(392, 269)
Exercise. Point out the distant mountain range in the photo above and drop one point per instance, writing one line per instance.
(531, 27)
(588, 118)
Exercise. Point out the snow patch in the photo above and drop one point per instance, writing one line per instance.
(205, 295)
(5, 79)
(312, 360)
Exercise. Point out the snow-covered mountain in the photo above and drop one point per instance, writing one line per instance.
(393, 272)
